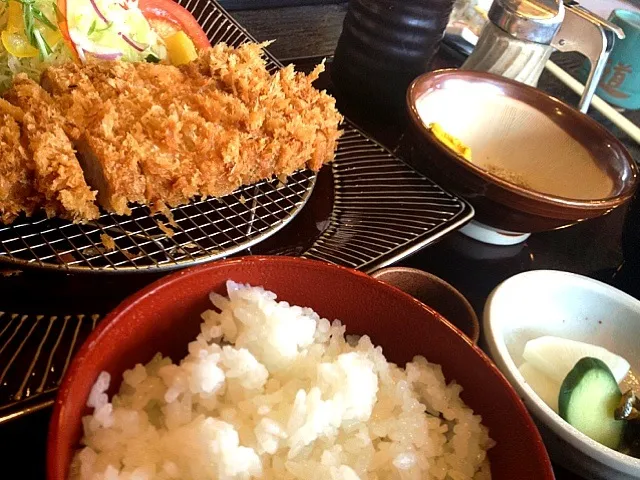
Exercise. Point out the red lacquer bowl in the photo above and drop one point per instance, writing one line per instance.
(166, 315)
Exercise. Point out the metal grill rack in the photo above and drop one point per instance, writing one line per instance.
(35, 351)
(383, 210)
(201, 231)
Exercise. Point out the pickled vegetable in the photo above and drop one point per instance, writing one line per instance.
(589, 396)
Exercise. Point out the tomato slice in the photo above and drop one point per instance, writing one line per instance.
(170, 12)
(63, 26)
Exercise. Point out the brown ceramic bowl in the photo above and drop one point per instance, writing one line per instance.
(437, 294)
(166, 315)
(537, 164)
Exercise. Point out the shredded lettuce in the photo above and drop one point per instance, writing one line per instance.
(125, 29)
(33, 67)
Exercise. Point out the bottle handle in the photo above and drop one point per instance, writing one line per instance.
(583, 31)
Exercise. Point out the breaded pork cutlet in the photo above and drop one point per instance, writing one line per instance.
(289, 123)
(17, 193)
(173, 141)
(259, 124)
(107, 152)
(251, 124)
(200, 136)
(132, 134)
(75, 92)
(160, 135)
(57, 173)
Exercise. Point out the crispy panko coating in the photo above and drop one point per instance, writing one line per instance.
(17, 194)
(109, 155)
(58, 175)
(287, 122)
(161, 135)
(127, 136)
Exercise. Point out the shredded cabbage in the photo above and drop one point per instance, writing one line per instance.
(33, 67)
(125, 29)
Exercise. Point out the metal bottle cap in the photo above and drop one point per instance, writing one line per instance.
(533, 20)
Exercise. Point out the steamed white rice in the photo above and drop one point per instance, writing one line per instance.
(273, 391)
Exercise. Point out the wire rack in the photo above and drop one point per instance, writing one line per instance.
(35, 351)
(383, 209)
(201, 231)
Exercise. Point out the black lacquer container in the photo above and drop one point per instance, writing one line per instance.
(628, 278)
(384, 45)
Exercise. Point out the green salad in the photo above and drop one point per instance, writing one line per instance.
(38, 33)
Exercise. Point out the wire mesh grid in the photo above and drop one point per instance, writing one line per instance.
(383, 209)
(35, 351)
(200, 231)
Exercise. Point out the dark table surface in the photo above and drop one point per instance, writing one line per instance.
(305, 34)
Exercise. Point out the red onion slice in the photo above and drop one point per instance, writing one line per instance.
(98, 12)
(137, 46)
(85, 46)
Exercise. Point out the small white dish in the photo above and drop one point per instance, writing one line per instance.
(546, 302)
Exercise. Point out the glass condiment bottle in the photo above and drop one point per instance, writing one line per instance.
(520, 36)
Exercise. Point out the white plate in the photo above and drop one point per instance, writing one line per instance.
(547, 302)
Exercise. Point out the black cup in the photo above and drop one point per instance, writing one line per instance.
(384, 45)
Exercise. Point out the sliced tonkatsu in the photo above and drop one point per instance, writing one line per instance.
(128, 139)
(17, 192)
(109, 158)
(296, 123)
(58, 177)
(160, 135)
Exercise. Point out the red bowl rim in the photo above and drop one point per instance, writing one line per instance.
(166, 282)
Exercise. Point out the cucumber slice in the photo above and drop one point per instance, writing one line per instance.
(588, 398)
